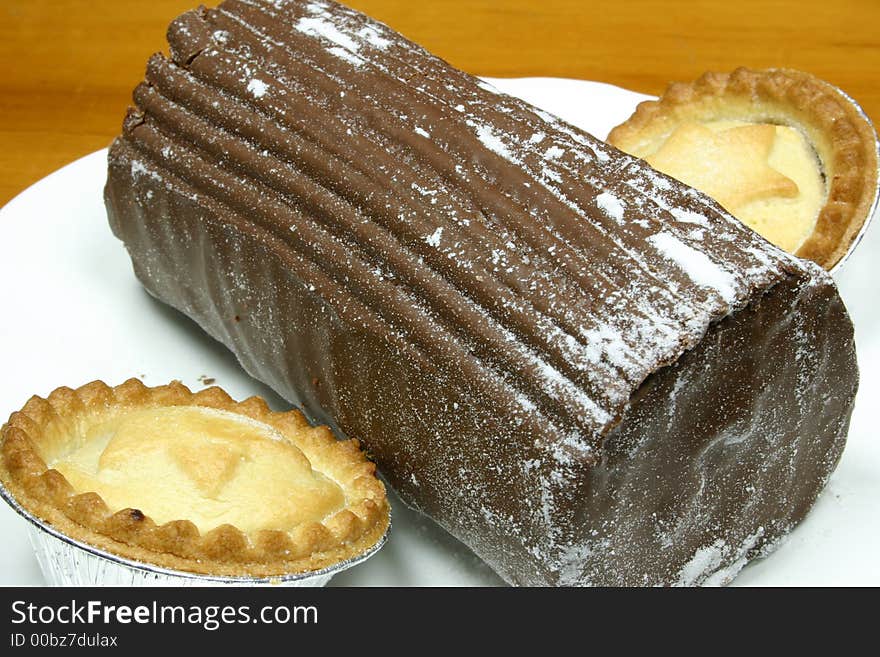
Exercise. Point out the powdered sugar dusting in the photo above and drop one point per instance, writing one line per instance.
(371, 34)
(697, 265)
(553, 152)
(326, 29)
(689, 216)
(434, 238)
(347, 55)
(611, 205)
(257, 88)
(493, 142)
(705, 566)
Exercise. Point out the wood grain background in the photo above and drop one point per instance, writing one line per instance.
(67, 67)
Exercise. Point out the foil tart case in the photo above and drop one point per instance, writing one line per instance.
(875, 204)
(65, 561)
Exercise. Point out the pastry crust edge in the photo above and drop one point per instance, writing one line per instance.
(178, 545)
(843, 138)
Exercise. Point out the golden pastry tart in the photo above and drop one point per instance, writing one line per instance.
(192, 481)
(791, 156)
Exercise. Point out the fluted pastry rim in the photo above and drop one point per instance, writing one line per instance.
(842, 136)
(179, 545)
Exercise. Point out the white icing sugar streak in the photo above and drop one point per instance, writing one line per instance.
(347, 55)
(611, 206)
(434, 238)
(705, 567)
(697, 265)
(322, 27)
(371, 35)
(257, 88)
(493, 142)
(688, 217)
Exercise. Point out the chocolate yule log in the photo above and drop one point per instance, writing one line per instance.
(586, 371)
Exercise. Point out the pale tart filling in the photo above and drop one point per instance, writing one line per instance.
(768, 176)
(208, 466)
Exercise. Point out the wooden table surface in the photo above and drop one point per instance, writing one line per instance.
(67, 67)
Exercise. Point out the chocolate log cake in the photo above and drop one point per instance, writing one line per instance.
(586, 371)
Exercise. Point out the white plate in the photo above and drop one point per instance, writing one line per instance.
(71, 311)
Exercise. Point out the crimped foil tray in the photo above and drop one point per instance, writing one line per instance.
(875, 204)
(65, 561)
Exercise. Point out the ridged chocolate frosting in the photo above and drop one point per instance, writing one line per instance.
(487, 296)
